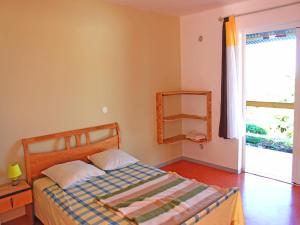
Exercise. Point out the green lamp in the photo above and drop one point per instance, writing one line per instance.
(13, 173)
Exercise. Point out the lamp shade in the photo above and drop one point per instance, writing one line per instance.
(14, 171)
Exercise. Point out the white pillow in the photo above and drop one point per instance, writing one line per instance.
(70, 173)
(112, 159)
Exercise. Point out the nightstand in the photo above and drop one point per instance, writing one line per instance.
(12, 197)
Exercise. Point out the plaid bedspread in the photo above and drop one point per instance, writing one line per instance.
(79, 202)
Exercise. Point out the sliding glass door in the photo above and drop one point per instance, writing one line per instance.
(270, 59)
(259, 87)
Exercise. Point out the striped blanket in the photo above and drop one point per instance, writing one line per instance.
(79, 204)
(164, 199)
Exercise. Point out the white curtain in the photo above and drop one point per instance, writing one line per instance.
(231, 105)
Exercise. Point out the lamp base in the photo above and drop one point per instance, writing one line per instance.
(15, 182)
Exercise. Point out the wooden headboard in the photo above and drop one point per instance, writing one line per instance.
(37, 162)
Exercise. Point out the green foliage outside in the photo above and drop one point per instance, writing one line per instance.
(272, 144)
(257, 136)
(284, 126)
(254, 129)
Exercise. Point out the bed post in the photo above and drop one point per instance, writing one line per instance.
(118, 134)
(27, 164)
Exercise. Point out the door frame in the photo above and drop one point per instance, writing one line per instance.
(296, 144)
(242, 43)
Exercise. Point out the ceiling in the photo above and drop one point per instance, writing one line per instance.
(175, 7)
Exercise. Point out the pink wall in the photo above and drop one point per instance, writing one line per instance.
(201, 66)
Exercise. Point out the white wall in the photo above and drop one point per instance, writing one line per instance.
(201, 66)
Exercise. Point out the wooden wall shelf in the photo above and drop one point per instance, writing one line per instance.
(161, 119)
(182, 137)
(169, 93)
(184, 116)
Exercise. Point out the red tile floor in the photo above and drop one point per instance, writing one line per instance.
(265, 201)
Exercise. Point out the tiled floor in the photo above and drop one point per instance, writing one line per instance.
(266, 201)
(269, 163)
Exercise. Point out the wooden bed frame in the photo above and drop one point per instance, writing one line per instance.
(37, 162)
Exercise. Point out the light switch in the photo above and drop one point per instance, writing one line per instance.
(104, 109)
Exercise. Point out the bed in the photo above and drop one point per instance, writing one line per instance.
(78, 205)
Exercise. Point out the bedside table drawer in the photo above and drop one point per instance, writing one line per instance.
(5, 204)
(21, 199)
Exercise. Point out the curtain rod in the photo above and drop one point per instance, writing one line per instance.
(262, 10)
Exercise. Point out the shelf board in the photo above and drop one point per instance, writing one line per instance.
(182, 137)
(168, 93)
(184, 116)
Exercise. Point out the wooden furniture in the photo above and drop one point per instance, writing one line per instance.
(12, 197)
(161, 119)
(37, 162)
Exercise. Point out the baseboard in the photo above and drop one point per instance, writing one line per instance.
(211, 165)
(169, 162)
(227, 169)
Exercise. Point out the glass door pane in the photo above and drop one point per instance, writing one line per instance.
(270, 61)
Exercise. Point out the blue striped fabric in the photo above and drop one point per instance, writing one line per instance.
(79, 203)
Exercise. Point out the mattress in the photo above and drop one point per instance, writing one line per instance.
(77, 205)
